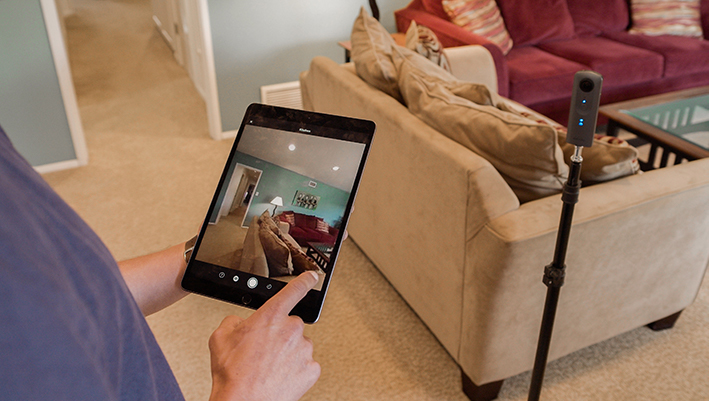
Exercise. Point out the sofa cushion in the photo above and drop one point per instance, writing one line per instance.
(620, 64)
(682, 55)
(604, 16)
(537, 76)
(372, 47)
(481, 17)
(435, 7)
(423, 41)
(527, 155)
(666, 17)
(551, 20)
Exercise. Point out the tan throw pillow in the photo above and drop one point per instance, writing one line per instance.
(666, 17)
(423, 41)
(301, 261)
(265, 220)
(372, 48)
(527, 155)
(481, 17)
(277, 253)
(607, 159)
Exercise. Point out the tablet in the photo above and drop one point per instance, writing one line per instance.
(281, 207)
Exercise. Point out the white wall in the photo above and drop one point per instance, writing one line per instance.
(265, 42)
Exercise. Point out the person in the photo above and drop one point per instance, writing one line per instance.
(73, 320)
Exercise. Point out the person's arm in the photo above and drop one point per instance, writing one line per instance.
(265, 357)
(154, 280)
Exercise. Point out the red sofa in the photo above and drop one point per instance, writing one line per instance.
(306, 228)
(553, 39)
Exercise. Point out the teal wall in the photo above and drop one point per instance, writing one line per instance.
(277, 181)
(266, 42)
(32, 111)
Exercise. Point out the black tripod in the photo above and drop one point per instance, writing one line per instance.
(582, 124)
(554, 274)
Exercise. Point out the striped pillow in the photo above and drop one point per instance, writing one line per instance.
(423, 41)
(481, 17)
(666, 17)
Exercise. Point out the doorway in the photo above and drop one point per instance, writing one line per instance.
(240, 193)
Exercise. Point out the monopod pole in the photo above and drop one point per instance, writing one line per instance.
(555, 273)
(583, 113)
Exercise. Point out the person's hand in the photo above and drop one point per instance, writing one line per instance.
(265, 357)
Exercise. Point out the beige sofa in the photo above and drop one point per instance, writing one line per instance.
(451, 236)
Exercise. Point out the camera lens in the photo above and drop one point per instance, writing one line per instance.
(586, 85)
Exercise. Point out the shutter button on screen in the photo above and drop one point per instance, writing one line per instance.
(252, 283)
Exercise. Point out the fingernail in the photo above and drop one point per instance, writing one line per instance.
(315, 275)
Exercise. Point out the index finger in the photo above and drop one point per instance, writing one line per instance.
(292, 293)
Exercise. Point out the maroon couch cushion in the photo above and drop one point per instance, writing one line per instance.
(592, 19)
(537, 76)
(435, 7)
(682, 55)
(530, 22)
(620, 64)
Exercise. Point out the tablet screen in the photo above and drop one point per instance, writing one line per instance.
(282, 205)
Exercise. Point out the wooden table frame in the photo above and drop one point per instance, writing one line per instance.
(660, 141)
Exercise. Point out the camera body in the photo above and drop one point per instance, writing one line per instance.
(583, 112)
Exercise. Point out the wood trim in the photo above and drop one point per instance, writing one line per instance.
(211, 96)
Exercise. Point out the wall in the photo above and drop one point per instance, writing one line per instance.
(265, 42)
(32, 104)
(277, 181)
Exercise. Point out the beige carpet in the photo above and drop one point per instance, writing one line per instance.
(150, 178)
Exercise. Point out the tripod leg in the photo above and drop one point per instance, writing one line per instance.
(486, 392)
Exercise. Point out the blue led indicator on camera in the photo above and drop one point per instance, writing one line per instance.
(581, 122)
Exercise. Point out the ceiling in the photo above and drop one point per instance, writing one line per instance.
(308, 155)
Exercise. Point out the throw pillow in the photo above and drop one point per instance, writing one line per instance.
(301, 261)
(277, 252)
(423, 41)
(481, 17)
(532, 22)
(372, 48)
(609, 157)
(322, 226)
(288, 217)
(265, 220)
(527, 155)
(666, 17)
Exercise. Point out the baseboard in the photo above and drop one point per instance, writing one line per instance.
(58, 166)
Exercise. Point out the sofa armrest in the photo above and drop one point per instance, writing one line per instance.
(638, 252)
(451, 35)
(473, 63)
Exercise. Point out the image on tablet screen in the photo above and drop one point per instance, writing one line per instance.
(281, 209)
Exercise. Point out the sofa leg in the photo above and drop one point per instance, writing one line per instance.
(486, 392)
(666, 323)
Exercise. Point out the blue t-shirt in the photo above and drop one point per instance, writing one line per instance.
(69, 327)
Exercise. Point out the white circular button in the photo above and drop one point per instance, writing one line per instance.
(252, 283)
(236, 278)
